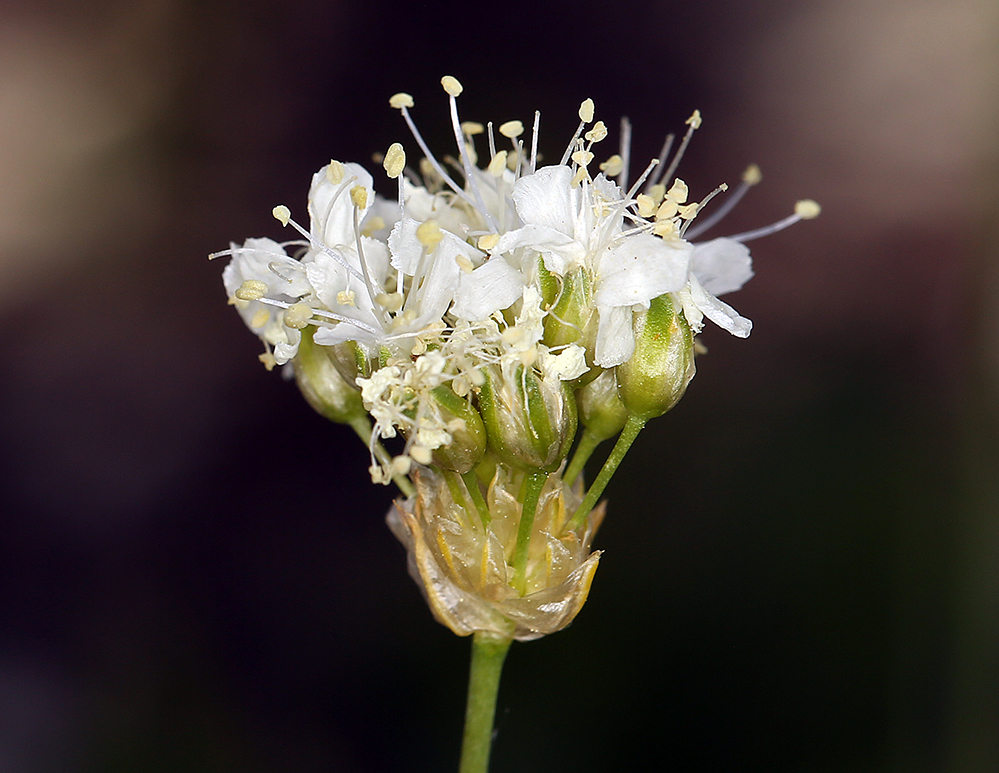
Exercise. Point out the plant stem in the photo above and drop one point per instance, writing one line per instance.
(532, 491)
(631, 429)
(488, 653)
(587, 444)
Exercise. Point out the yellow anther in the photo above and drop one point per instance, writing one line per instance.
(419, 347)
(335, 172)
(401, 100)
(695, 120)
(298, 315)
(282, 213)
(421, 454)
(373, 226)
(497, 164)
(807, 209)
(613, 166)
(586, 110)
(359, 195)
(251, 290)
(460, 386)
(488, 241)
(664, 228)
(667, 209)
(752, 175)
(451, 85)
(427, 170)
(687, 212)
(401, 465)
(657, 192)
(345, 297)
(389, 301)
(512, 129)
(646, 205)
(395, 160)
(582, 157)
(471, 128)
(678, 192)
(580, 175)
(268, 360)
(261, 318)
(464, 263)
(597, 133)
(429, 234)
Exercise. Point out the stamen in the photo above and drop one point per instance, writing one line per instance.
(251, 290)
(317, 245)
(750, 177)
(626, 155)
(454, 88)
(430, 156)
(586, 110)
(699, 207)
(803, 210)
(693, 122)
(654, 180)
(534, 140)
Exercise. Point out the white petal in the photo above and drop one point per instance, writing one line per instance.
(718, 311)
(546, 198)
(557, 249)
(721, 265)
(406, 249)
(331, 208)
(492, 286)
(615, 336)
(641, 268)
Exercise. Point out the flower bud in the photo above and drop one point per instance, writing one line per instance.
(572, 319)
(600, 408)
(321, 383)
(468, 434)
(656, 376)
(531, 421)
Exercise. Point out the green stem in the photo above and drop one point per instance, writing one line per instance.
(488, 653)
(472, 484)
(362, 427)
(587, 444)
(532, 491)
(631, 429)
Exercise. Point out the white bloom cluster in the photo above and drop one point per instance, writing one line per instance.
(449, 278)
(484, 322)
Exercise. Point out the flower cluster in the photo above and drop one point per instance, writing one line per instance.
(480, 321)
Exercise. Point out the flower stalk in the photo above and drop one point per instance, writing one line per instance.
(488, 654)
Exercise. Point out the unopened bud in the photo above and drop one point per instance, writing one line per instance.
(324, 388)
(531, 421)
(656, 376)
(572, 318)
(468, 434)
(600, 408)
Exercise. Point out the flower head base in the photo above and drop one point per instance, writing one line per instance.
(461, 558)
(471, 317)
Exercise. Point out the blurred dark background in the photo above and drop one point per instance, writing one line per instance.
(801, 560)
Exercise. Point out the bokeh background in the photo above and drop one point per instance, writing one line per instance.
(801, 560)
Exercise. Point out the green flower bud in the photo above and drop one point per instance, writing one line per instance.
(656, 376)
(600, 408)
(531, 421)
(319, 379)
(573, 318)
(468, 433)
